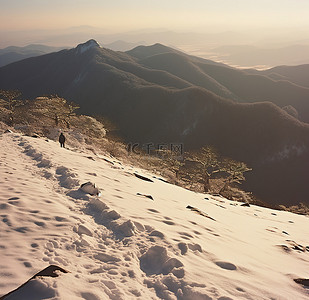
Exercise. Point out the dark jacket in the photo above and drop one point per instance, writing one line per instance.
(61, 138)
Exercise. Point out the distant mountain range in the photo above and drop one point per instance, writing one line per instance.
(158, 94)
(12, 54)
(295, 74)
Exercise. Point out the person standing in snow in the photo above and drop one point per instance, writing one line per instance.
(61, 140)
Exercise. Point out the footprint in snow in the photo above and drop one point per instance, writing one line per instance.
(153, 210)
(13, 198)
(157, 233)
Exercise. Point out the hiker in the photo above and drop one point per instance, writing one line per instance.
(61, 140)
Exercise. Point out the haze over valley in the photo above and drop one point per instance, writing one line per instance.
(257, 48)
(240, 33)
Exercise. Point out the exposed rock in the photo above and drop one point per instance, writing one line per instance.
(50, 271)
(147, 196)
(302, 281)
(143, 177)
(200, 212)
(90, 188)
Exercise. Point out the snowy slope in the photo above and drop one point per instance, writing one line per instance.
(125, 245)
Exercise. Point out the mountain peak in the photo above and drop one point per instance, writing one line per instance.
(81, 48)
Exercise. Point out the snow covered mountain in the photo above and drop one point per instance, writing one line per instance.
(140, 238)
(80, 49)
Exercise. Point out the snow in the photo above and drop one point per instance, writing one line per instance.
(124, 245)
(81, 48)
(287, 152)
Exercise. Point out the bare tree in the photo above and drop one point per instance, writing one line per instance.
(10, 100)
(207, 165)
(170, 161)
(56, 108)
(234, 171)
(69, 111)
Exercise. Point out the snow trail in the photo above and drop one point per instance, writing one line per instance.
(121, 245)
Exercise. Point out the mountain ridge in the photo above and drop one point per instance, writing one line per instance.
(154, 104)
(12, 54)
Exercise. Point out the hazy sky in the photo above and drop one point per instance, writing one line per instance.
(120, 15)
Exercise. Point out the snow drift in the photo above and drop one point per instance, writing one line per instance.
(123, 245)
